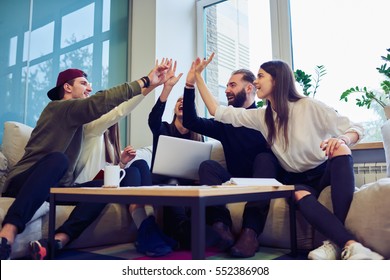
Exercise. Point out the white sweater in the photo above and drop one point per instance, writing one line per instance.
(310, 122)
(93, 158)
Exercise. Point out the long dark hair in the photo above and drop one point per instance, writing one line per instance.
(284, 91)
(112, 144)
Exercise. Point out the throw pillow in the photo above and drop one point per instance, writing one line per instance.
(15, 138)
(217, 152)
(369, 216)
(385, 130)
(3, 171)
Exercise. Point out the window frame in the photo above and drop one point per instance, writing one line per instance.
(281, 42)
(280, 28)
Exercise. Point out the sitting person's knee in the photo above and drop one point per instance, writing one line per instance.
(301, 194)
(341, 151)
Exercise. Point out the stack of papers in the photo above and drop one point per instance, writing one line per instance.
(253, 182)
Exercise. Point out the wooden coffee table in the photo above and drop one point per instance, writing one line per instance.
(195, 197)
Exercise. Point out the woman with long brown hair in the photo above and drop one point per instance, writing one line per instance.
(311, 143)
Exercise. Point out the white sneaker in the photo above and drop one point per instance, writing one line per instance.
(357, 251)
(328, 251)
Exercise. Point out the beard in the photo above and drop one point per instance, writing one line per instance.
(238, 99)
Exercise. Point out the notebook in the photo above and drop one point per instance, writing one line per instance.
(254, 182)
(180, 158)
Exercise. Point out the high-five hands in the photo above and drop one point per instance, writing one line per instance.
(171, 79)
(190, 79)
(157, 75)
(201, 64)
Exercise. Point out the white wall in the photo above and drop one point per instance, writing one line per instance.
(160, 28)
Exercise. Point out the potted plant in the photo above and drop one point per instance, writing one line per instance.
(381, 96)
(304, 80)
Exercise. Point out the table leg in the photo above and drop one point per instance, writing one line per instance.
(293, 226)
(198, 230)
(52, 225)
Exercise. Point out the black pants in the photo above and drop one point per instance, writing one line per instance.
(212, 173)
(337, 172)
(31, 189)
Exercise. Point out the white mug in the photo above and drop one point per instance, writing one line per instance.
(113, 175)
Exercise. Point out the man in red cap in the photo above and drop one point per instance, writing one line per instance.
(51, 154)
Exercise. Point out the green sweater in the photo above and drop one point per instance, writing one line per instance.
(60, 128)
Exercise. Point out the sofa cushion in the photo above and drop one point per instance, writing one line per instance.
(144, 153)
(3, 171)
(369, 216)
(217, 152)
(385, 130)
(16, 136)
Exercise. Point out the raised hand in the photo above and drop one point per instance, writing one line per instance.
(157, 75)
(190, 79)
(205, 93)
(171, 79)
(200, 64)
(170, 82)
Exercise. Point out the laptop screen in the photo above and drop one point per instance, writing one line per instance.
(180, 158)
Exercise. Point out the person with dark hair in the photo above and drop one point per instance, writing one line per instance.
(311, 143)
(53, 149)
(241, 146)
(175, 128)
(100, 147)
(176, 222)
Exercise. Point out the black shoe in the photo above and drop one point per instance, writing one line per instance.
(226, 238)
(39, 249)
(247, 244)
(5, 249)
(183, 235)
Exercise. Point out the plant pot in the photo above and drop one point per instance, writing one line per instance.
(387, 112)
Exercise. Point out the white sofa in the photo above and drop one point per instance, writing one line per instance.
(368, 218)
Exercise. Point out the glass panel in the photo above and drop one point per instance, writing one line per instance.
(81, 58)
(14, 20)
(39, 83)
(349, 41)
(73, 29)
(13, 44)
(239, 32)
(12, 105)
(106, 15)
(29, 65)
(105, 64)
(40, 43)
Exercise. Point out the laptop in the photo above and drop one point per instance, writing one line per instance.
(180, 158)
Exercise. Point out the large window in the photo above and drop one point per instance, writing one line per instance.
(41, 38)
(347, 37)
(232, 31)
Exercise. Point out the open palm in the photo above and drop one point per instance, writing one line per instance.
(171, 79)
(200, 64)
(159, 73)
